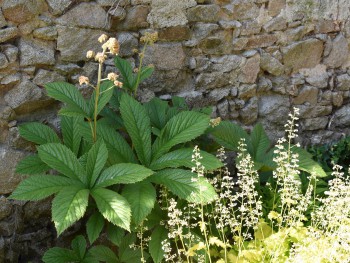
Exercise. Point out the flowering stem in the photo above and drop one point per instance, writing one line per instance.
(139, 69)
(97, 95)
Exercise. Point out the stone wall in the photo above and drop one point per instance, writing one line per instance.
(253, 60)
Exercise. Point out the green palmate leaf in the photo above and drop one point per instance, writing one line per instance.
(69, 94)
(62, 159)
(104, 254)
(79, 246)
(183, 157)
(141, 197)
(186, 185)
(155, 244)
(146, 73)
(183, 127)
(94, 226)
(69, 206)
(123, 173)
(115, 234)
(71, 133)
(70, 111)
(38, 187)
(113, 207)
(138, 125)
(118, 149)
(127, 254)
(60, 255)
(106, 92)
(38, 133)
(229, 134)
(179, 102)
(31, 164)
(260, 142)
(126, 72)
(96, 160)
(157, 109)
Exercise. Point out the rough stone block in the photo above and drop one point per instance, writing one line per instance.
(136, 18)
(36, 52)
(20, 11)
(339, 52)
(46, 33)
(307, 94)
(8, 33)
(176, 33)
(128, 42)
(343, 82)
(271, 64)
(341, 117)
(275, 7)
(313, 124)
(260, 41)
(250, 70)
(43, 77)
(203, 13)
(58, 7)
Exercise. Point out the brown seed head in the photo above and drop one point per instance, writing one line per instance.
(103, 38)
(90, 54)
(112, 76)
(83, 80)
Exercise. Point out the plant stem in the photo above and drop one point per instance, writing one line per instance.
(140, 69)
(97, 94)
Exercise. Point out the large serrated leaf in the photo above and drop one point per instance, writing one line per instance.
(186, 185)
(183, 157)
(113, 207)
(96, 160)
(38, 133)
(138, 125)
(155, 244)
(71, 132)
(126, 72)
(118, 149)
(156, 109)
(79, 246)
(38, 187)
(94, 226)
(60, 255)
(104, 254)
(69, 94)
(229, 134)
(69, 206)
(141, 197)
(31, 164)
(260, 142)
(115, 234)
(183, 127)
(106, 92)
(62, 159)
(123, 173)
(127, 254)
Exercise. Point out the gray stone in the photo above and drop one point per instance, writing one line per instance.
(136, 18)
(271, 64)
(140, 2)
(225, 63)
(277, 23)
(20, 11)
(339, 52)
(275, 7)
(230, 24)
(161, 10)
(8, 161)
(241, 10)
(203, 30)
(307, 94)
(11, 80)
(8, 33)
(264, 85)
(337, 98)
(127, 44)
(274, 109)
(5, 207)
(260, 41)
(205, 81)
(246, 91)
(11, 53)
(118, 13)
(311, 111)
(313, 124)
(3, 22)
(223, 109)
(304, 54)
(73, 43)
(165, 56)
(341, 117)
(58, 7)
(343, 82)
(250, 28)
(36, 52)
(250, 70)
(317, 76)
(24, 93)
(46, 33)
(89, 15)
(203, 13)
(43, 77)
(249, 113)
(114, 2)
(175, 33)
(3, 61)
(67, 69)
(218, 94)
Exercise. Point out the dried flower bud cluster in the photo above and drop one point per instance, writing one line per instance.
(100, 57)
(90, 54)
(149, 38)
(83, 80)
(112, 45)
(118, 83)
(112, 76)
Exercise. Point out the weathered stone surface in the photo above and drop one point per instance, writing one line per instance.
(264, 85)
(140, 2)
(343, 82)
(274, 108)
(10, 80)
(275, 7)
(341, 117)
(59, 6)
(246, 91)
(36, 52)
(249, 113)
(212, 80)
(250, 70)
(339, 52)
(241, 10)
(136, 18)
(20, 11)
(307, 94)
(117, 14)
(2, 20)
(260, 41)
(89, 15)
(337, 99)
(203, 13)
(43, 77)
(128, 43)
(250, 28)
(8, 33)
(176, 33)
(271, 64)
(311, 111)
(5, 208)
(46, 33)
(203, 30)
(277, 23)
(316, 76)
(304, 54)
(313, 124)
(161, 10)
(165, 56)
(218, 94)
(3, 61)
(325, 26)
(226, 63)
(73, 43)
(8, 161)
(114, 2)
